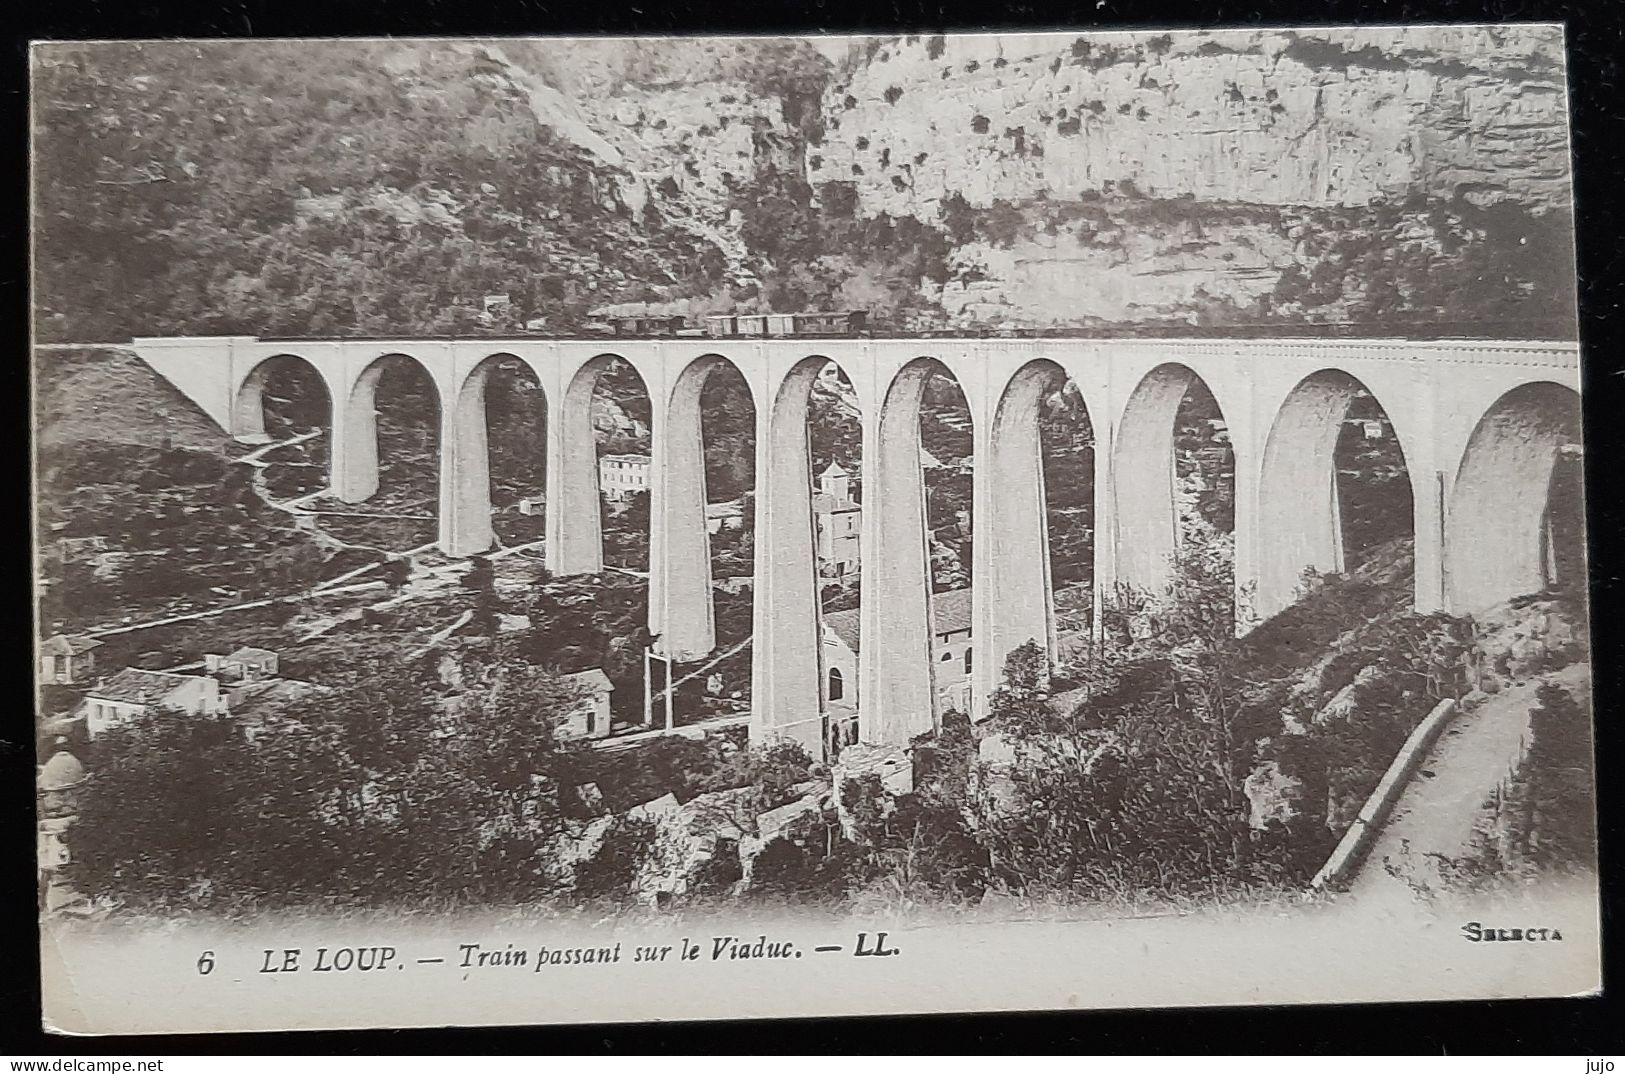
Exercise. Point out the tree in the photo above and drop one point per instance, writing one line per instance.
(381, 791)
(480, 580)
(1022, 699)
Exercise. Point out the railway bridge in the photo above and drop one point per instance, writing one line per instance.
(1480, 424)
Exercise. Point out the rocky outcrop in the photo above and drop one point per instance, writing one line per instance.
(1299, 118)
(1272, 796)
(1520, 640)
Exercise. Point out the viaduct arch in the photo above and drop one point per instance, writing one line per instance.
(1298, 493)
(1480, 424)
(1496, 536)
(1144, 484)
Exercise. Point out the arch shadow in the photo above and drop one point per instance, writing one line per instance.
(1500, 533)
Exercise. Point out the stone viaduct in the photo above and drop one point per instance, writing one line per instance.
(1479, 422)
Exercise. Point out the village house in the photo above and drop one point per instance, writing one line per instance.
(67, 659)
(590, 717)
(247, 664)
(251, 702)
(620, 476)
(724, 516)
(838, 520)
(132, 693)
(533, 505)
(950, 659)
(66, 550)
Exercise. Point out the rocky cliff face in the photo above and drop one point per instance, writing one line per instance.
(1226, 178)
(1265, 118)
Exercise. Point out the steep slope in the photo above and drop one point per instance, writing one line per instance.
(324, 187)
(106, 397)
(1383, 180)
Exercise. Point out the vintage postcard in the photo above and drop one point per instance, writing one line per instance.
(538, 530)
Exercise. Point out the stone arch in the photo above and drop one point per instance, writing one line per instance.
(788, 674)
(248, 405)
(575, 541)
(1300, 522)
(1498, 529)
(1147, 532)
(897, 681)
(356, 462)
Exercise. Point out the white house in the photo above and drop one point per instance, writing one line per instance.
(133, 692)
(590, 718)
(838, 520)
(619, 476)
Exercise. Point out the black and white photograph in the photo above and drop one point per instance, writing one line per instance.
(557, 530)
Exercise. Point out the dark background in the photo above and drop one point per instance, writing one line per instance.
(1596, 42)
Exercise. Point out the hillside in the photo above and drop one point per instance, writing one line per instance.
(111, 397)
(1387, 181)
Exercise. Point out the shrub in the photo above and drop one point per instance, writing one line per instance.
(611, 871)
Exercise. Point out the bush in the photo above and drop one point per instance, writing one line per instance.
(611, 871)
(368, 795)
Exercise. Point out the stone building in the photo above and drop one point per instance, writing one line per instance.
(67, 659)
(133, 692)
(839, 521)
(246, 664)
(620, 476)
(590, 718)
(950, 657)
(724, 516)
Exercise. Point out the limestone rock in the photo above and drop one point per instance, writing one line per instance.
(1345, 703)
(1272, 795)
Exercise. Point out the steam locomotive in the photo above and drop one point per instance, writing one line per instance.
(720, 325)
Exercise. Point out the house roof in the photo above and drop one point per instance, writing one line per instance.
(644, 459)
(251, 652)
(67, 645)
(950, 612)
(844, 625)
(724, 510)
(834, 470)
(137, 687)
(592, 679)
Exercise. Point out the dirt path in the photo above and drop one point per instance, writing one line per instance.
(688, 730)
(210, 613)
(1435, 817)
